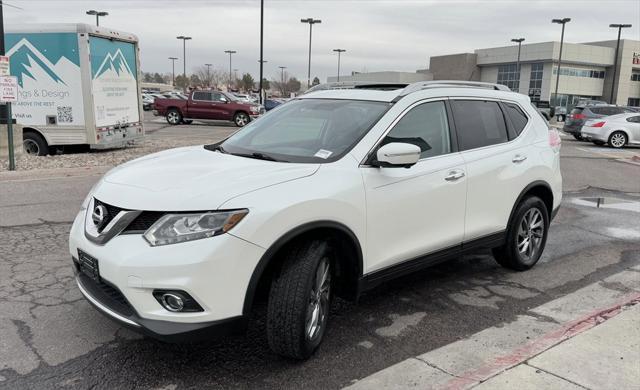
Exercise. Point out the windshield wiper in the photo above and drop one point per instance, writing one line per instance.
(258, 156)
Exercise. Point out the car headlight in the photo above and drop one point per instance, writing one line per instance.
(175, 228)
(255, 108)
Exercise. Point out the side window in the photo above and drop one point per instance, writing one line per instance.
(201, 96)
(634, 119)
(598, 110)
(425, 126)
(518, 118)
(218, 97)
(478, 123)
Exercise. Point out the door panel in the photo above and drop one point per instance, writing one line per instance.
(201, 106)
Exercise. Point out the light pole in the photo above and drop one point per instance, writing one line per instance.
(519, 41)
(98, 14)
(262, 62)
(562, 22)
(184, 54)
(615, 61)
(208, 74)
(230, 52)
(173, 70)
(282, 68)
(311, 22)
(339, 51)
(261, 47)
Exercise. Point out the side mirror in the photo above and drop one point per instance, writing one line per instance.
(398, 155)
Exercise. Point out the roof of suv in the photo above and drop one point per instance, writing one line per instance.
(440, 88)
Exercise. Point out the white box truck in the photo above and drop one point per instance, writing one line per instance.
(77, 85)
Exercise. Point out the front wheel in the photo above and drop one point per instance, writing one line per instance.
(34, 145)
(299, 300)
(617, 139)
(526, 236)
(174, 117)
(241, 119)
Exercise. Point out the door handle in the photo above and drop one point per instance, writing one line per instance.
(518, 158)
(454, 175)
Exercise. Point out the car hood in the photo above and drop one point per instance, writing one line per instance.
(191, 178)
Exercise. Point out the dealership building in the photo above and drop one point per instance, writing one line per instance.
(586, 71)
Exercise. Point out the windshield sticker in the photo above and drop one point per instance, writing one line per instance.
(324, 154)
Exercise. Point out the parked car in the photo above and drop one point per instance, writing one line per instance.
(331, 194)
(207, 105)
(580, 114)
(616, 130)
(270, 104)
(147, 102)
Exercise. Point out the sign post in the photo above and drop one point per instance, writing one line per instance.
(8, 94)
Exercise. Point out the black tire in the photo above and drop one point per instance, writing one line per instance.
(241, 119)
(174, 117)
(34, 144)
(187, 121)
(599, 143)
(289, 316)
(618, 139)
(578, 137)
(509, 255)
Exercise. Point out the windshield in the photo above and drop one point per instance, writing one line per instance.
(307, 130)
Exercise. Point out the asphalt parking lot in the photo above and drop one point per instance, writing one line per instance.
(50, 337)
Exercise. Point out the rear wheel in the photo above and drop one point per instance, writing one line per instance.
(299, 300)
(241, 119)
(526, 236)
(617, 139)
(174, 117)
(34, 144)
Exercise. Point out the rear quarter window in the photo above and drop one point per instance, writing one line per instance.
(478, 123)
(517, 117)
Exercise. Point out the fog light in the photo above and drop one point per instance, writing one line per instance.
(172, 302)
(177, 301)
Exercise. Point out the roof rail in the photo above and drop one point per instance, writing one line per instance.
(451, 83)
(383, 86)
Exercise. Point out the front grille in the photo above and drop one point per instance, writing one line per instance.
(112, 211)
(143, 222)
(107, 295)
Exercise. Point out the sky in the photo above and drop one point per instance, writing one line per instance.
(377, 35)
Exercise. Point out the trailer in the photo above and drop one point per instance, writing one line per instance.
(77, 85)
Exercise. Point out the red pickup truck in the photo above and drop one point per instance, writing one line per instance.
(205, 106)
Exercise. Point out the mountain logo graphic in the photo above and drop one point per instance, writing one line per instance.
(115, 62)
(24, 56)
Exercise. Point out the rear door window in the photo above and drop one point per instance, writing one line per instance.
(206, 96)
(518, 118)
(478, 123)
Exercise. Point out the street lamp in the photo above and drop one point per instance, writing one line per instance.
(311, 22)
(208, 74)
(282, 68)
(615, 61)
(173, 70)
(519, 41)
(98, 14)
(261, 47)
(562, 22)
(230, 52)
(339, 51)
(184, 54)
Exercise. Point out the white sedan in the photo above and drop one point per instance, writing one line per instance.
(616, 130)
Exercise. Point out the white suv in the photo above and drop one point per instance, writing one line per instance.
(328, 195)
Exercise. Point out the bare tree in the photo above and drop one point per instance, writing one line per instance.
(285, 84)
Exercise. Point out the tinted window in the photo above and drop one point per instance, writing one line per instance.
(577, 110)
(201, 96)
(635, 119)
(518, 118)
(478, 123)
(218, 97)
(599, 110)
(425, 126)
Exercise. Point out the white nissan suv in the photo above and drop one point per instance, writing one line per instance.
(328, 195)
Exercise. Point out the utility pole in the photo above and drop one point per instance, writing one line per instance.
(230, 52)
(562, 22)
(173, 70)
(98, 14)
(282, 68)
(311, 22)
(339, 51)
(9, 119)
(208, 74)
(184, 55)
(262, 62)
(615, 61)
(261, 47)
(519, 41)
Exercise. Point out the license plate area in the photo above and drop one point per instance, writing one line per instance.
(88, 265)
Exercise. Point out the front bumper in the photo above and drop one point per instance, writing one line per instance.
(215, 271)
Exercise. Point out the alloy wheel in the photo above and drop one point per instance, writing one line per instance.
(318, 306)
(530, 234)
(172, 117)
(242, 120)
(618, 140)
(31, 147)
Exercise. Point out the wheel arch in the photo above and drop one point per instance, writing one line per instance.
(539, 188)
(26, 130)
(349, 269)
